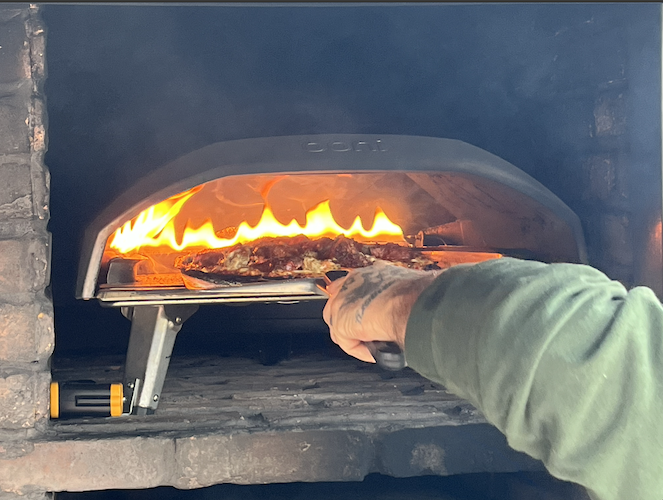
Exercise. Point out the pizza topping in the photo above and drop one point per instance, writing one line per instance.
(298, 256)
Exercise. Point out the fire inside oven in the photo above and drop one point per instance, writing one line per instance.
(260, 220)
(262, 228)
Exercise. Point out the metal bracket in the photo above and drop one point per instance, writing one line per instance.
(153, 332)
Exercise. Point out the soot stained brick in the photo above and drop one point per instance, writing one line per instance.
(16, 195)
(26, 332)
(24, 399)
(24, 265)
(14, 48)
(14, 119)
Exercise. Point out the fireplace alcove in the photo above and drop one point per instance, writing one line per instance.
(567, 93)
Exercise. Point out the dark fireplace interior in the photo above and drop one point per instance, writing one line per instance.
(568, 93)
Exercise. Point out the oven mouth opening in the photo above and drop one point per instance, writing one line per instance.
(282, 230)
(193, 232)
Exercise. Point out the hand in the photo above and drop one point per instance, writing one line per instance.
(373, 303)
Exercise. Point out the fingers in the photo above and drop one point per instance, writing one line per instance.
(355, 348)
(362, 305)
(327, 311)
(335, 286)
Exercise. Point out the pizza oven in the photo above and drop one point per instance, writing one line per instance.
(445, 200)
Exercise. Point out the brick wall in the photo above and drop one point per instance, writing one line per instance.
(603, 156)
(26, 311)
(618, 199)
(606, 191)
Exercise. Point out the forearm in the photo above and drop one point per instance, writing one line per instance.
(564, 361)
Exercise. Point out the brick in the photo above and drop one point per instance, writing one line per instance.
(34, 495)
(16, 192)
(41, 182)
(19, 228)
(605, 181)
(610, 115)
(14, 119)
(37, 127)
(14, 50)
(15, 443)
(24, 399)
(616, 239)
(26, 332)
(299, 456)
(601, 177)
(24, 265)
(23, 174)
(37, 36)
(85, 465)
(41, 190)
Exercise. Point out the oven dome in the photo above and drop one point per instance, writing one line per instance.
(445, 190)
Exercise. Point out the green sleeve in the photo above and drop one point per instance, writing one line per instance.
(565, 362)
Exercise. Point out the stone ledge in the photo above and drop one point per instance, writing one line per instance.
(232, 420)
(257, 458)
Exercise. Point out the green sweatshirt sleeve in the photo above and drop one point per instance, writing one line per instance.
(565, 362)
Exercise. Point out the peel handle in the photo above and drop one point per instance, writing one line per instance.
(388, 355)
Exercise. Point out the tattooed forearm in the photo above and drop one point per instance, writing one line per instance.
(363, 288)
(349, 281)
(371, 297)
(367, 281)
(373, 303)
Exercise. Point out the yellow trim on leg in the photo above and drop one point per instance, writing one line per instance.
(116, 400)
(55, 400)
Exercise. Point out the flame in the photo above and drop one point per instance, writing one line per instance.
(154, 227)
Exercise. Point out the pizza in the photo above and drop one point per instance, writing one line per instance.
(299, 256)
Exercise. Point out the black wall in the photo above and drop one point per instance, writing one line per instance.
(132, 87)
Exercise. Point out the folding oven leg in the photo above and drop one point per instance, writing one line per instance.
(153, 332)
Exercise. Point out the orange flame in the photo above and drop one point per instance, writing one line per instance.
(154, 227)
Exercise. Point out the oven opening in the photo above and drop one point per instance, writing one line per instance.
(223, 226)
(257, 228)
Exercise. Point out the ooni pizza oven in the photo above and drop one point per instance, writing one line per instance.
(444, 200)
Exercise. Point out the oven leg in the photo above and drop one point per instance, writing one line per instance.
(153, 332)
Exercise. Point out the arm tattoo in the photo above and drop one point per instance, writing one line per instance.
(372, 285)
(372, 296)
